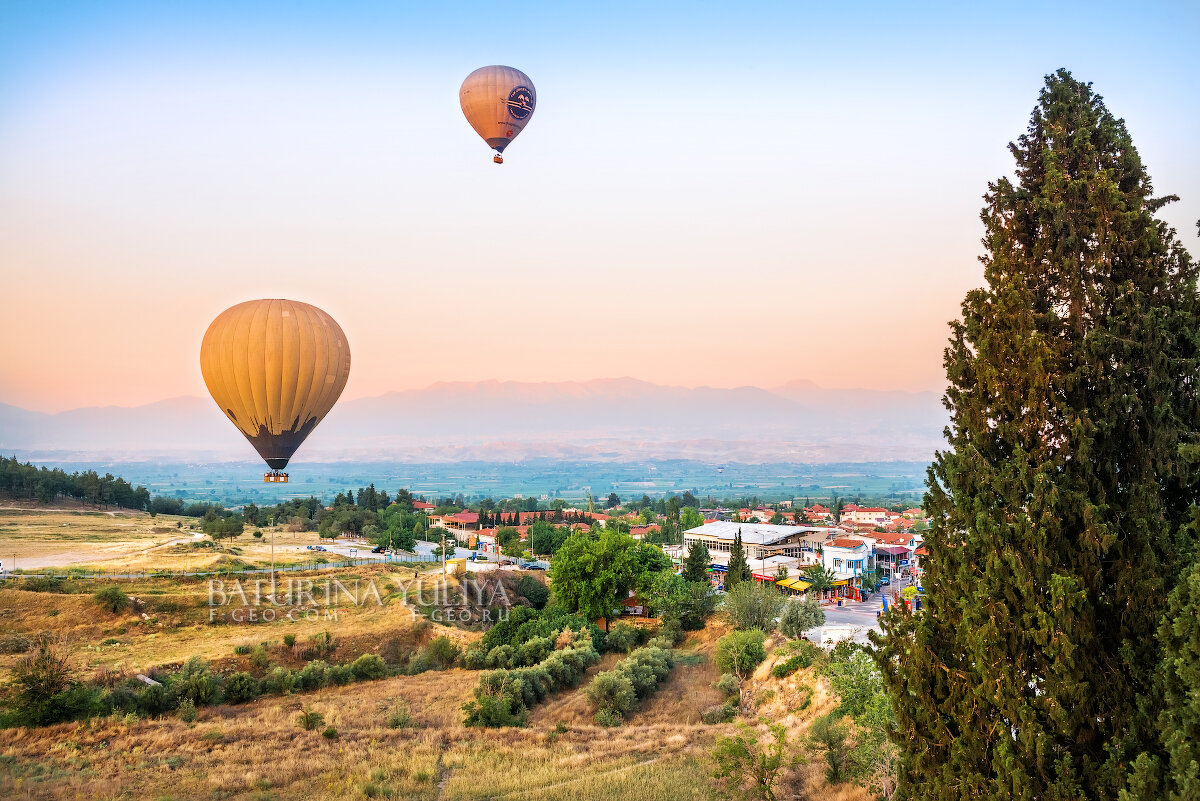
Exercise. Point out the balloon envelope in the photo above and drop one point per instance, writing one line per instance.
(275, 367)
(498, 102)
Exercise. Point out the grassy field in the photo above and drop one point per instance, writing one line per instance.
(37, 538)
(257, 751)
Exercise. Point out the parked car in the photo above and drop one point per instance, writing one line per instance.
(885, 580)
(309, 547)
(378, 549)
(319, 548)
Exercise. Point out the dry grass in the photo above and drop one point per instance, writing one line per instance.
(38, 537)
(256, 751)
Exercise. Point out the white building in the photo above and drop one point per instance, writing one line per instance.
(760, 541)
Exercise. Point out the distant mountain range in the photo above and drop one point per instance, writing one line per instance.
(610, 419)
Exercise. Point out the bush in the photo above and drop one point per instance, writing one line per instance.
(241, 650)
(330, 733)
(320, 645)
(533, 591)
(339, 675)
(503, 697)
(729, 686)
(15, 644)
(280, 681)
(722, 713)
(196, 682)
(475, 658)
(624, 637)
(611, 692)
(313, 676)
(800, 616)
(400, 717)
(754, 605)
(309, 719)
(801, 659)
(609, 718)
(153, 700)
(113, 599)
(442, 652)
(241, 687)
(187, 711)
(368, 666)
(289, 640)
(740, 652)
(534, 650)
(501, 657)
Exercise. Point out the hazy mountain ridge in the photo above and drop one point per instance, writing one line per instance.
(606, 418)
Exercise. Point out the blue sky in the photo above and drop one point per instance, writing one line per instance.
(703, 191)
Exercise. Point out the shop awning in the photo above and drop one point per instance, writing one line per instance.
(841, 582)
(799, 585)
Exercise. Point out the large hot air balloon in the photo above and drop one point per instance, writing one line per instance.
(275, 367)
(498, 102)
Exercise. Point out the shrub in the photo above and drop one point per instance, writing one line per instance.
(498, 702)
(313, 675)
(15, 644)
(187, 711)
(241, 650)
(280, 681)
(44, 681)
(624, 637)
(800, 616)
(501, 657)
(320, 645)
(613, 693)
(534, 650)
(533, 591)
(339, 675)
(196, 682)
(728, 685)
(442, 652)
(801, 659)
(753, 605)
(740, 652)
(309, 719)
(113, 599)
(722, 713)
(609, 717)
(241, 687)
(330, 733)
(289, 640)
(153, 700)
(400, 717)
(475, 658)
(368, 666)
(259, 658)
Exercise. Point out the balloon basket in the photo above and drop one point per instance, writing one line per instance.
(498, 159)
(275, 477)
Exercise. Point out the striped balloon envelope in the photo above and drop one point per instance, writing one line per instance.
(276, 368)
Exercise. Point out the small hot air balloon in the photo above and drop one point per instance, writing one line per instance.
(275, 367)
(498, 102)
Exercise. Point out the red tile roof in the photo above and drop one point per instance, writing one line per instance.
(846, 543)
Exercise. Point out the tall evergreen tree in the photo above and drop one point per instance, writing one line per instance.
(739, 569)
(1059, 510)
(695, 567)
(1174, 772)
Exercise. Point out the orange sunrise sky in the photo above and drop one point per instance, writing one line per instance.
(753, 198)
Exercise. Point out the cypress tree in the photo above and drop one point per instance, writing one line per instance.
(738, 570)
(1060, 508)
(695, 567)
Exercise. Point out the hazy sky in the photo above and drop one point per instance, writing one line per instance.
(721, 195)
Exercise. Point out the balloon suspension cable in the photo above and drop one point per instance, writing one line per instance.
(275, 476)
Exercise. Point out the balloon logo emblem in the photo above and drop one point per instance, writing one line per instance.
(520, 102)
